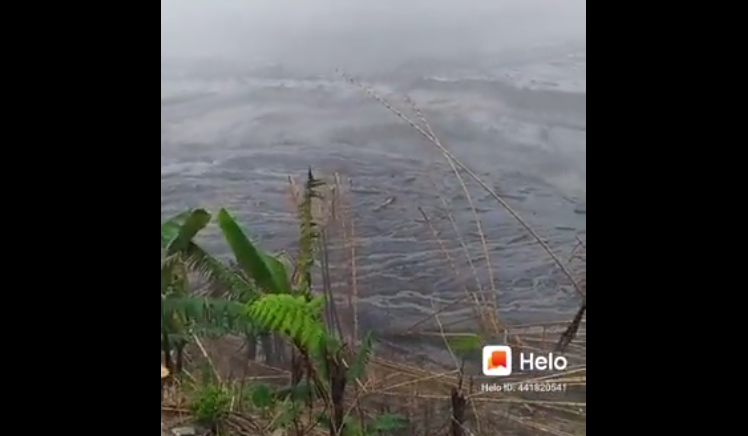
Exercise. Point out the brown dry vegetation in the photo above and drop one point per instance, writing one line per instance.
(438, 398)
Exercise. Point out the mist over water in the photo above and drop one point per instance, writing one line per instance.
(249, 95)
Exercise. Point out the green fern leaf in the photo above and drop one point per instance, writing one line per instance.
(290, 315)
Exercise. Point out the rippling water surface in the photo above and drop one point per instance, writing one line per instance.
(231, 134)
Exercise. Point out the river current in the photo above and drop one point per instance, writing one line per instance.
(231, 134)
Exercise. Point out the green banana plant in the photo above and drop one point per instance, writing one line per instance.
(183, 313)
(176, 239)
(177, 236)
(257, 273)
(267, 273)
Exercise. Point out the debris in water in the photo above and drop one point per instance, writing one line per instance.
(386, 203)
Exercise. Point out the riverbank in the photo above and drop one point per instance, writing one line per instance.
(415, 392)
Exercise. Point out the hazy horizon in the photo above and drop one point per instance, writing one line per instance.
(336, 33)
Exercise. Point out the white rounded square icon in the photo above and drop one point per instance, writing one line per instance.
(497, 360)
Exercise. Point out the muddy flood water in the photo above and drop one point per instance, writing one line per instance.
(231, 133)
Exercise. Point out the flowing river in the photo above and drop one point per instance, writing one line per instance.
(230, 136)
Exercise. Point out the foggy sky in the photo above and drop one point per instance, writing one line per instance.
(334, 31)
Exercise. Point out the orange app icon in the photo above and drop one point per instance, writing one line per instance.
(497, 360)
